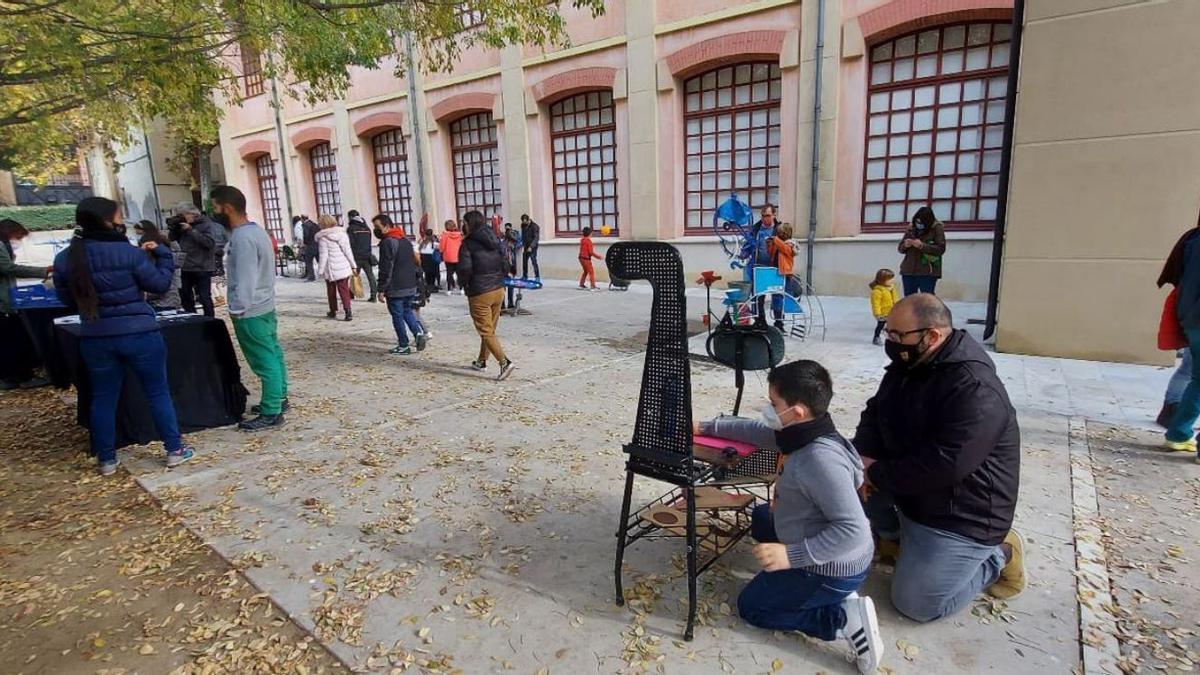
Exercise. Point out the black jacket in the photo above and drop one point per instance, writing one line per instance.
(946, 443)
(482, 262)
(360, 238)
(398, 270)
(310, 232)
(199, 244)
(530, 233)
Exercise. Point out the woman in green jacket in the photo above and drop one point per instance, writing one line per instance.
(923, 246)
(20, 356)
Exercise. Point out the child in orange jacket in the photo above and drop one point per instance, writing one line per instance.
(587, 251)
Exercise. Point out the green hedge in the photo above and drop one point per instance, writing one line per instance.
(41, 218)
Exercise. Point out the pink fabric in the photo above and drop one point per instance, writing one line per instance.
(742, 449)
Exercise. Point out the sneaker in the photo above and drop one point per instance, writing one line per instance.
(1012, 577)
(108, 468)
(582, 287)
(1165, 415)
(1181, 446)
(35, 383)
(428, 336)
(177, 457)
(595, 289)
(862, 632)
(330, 315)
(402, 351)
(286, 407)
(261, 422)
(479, 365)
(421, 341)
(348, 317)
(506, 369)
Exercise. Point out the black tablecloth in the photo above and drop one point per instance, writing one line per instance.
(202, 368)
(39, 322)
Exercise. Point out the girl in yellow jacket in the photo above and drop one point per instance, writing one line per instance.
(883, 297)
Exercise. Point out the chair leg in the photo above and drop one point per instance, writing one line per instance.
(691, 561)
(622, 531)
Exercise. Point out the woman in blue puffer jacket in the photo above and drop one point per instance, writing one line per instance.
(106, 278)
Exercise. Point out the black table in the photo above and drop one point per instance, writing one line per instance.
(39, 322)
(202, 368)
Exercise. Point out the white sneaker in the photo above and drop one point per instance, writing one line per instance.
(862, 632)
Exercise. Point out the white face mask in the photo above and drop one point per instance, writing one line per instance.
(771, 418)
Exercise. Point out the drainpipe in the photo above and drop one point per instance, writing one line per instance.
(1010, 111)
(415, 116)
(283, 164)
(153, 180)
(818, 55)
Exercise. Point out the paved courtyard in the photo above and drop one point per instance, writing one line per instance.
(415, 513)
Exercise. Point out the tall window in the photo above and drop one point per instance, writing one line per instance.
(583, 135)
(468, 17)
(935, 124)
(731, 118)
(476, 164)
(252, 76)
(268, 190)
(391, 178)
(325, 180)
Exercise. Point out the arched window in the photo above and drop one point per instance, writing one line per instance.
(731, 118)
(935, 122)
(583, 139)
(476, 164)
(325, 180)
(391, 178)
(268, 191)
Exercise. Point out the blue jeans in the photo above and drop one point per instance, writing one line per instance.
(1179, 379)
(403, 313)
(106, 359)
(1189, 405)
(794, 599)
(918, 283)
(938, 572)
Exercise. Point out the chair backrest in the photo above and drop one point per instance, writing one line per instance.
(662, 434)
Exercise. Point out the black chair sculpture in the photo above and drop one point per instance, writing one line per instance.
(662, 437)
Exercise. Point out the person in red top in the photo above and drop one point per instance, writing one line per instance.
(586, 252)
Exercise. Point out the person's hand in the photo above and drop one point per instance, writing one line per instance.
(185, 226)
(695, 428)
(150, 245)
(383, 297)
(772, 557)
(918, 244)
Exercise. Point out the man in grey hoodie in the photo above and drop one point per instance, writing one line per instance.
(814, 538)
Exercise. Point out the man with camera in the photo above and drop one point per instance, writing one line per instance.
(197, 237)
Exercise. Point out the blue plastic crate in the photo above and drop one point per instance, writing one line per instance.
(34, 296)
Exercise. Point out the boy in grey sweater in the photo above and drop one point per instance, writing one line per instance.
(814, 538)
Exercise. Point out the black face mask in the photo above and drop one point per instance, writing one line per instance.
(905, 356)
(378, 233)
(222, 220)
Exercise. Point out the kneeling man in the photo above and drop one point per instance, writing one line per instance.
(942, 452)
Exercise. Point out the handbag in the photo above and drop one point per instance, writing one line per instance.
(1170, 333)
(356, 286)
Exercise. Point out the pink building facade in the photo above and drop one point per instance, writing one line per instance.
(658, 110)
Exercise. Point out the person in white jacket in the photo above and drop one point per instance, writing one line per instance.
(335, 263)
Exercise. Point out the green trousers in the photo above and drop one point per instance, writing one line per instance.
(259, 339)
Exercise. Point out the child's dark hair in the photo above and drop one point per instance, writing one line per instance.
(587, 231)
(803, 382)
(882, 277)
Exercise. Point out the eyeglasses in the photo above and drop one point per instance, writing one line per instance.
(897, 336)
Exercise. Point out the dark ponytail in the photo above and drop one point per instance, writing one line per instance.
(93, 214)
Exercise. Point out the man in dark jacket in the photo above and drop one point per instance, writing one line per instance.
(942, 450)
(531, 233)
(310, 248)
(399, 271)
(197, 237)
(482, 266)
(360, 245)
(1182, 269)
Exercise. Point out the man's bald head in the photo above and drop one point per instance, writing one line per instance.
(925, 310)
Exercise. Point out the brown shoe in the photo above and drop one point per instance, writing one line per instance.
(1012, 577)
